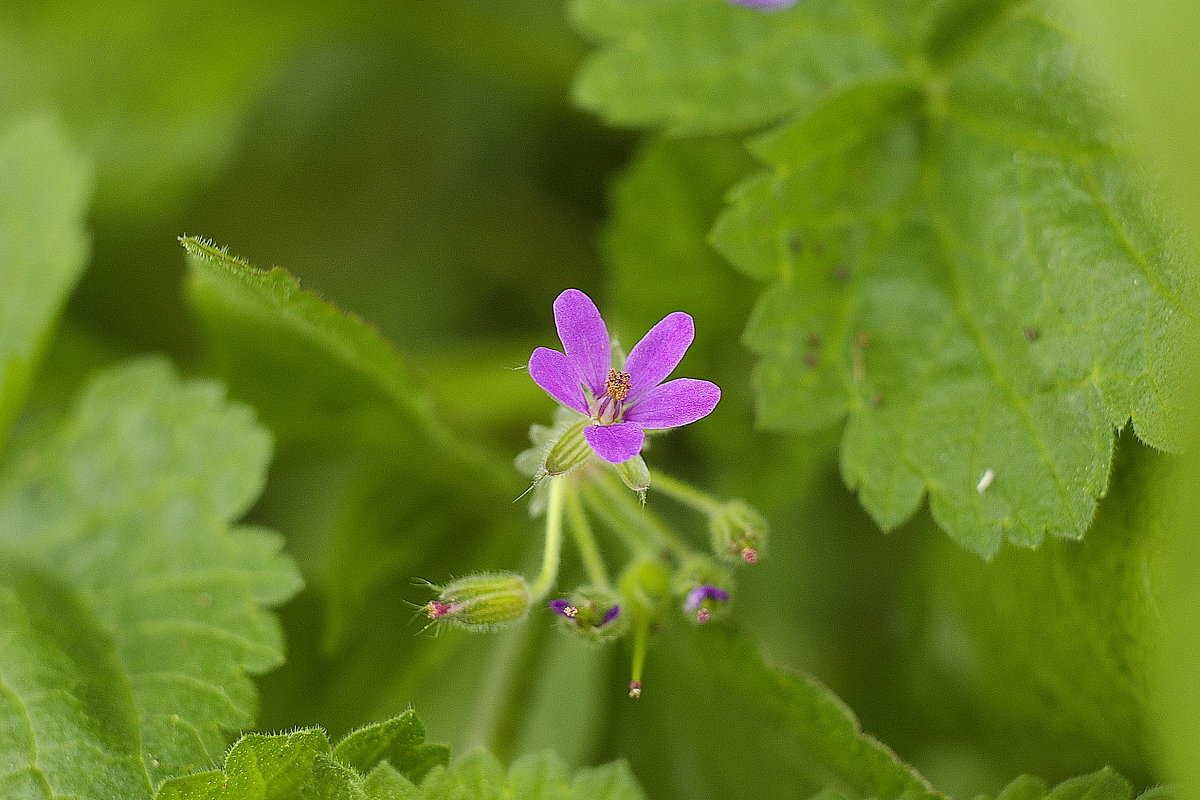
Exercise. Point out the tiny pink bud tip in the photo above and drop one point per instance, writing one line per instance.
(435, 609)
(703, 616)
(749, 555)
(635, 689)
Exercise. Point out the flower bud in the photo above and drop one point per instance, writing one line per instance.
(635, 474)
(738, 532)
(644, 584)
(594, 613)
(703, 586)
(480, 602)
(568, 451)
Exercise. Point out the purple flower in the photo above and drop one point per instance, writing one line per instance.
(624, 404)
(765, 5)
(566, 610)
(702, 599)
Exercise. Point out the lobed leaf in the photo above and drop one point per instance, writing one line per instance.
(133, 610)
(44, 189)
(961, 266)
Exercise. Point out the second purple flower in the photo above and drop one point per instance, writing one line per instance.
(622, 404)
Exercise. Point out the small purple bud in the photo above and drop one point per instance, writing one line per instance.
(610, 615)
(702, 599)
(594, 613)
(635, 689)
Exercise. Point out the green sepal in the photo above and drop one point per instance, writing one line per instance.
(739, 533)
(569, 451)
(635, 474)
(482, 601)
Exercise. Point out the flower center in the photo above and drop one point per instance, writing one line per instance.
(616, 389)
(617, 385)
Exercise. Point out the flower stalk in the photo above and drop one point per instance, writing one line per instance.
(552, 550)
(608, 402)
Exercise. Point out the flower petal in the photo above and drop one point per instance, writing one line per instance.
(585, 338)
(615, 443)
(674, 403)
(658, 353)
(555, 373)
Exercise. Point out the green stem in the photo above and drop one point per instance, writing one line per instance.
(682, 492)
(635, 514)
(553, 549)
(593, 563)
(641, 642)
(604, 508)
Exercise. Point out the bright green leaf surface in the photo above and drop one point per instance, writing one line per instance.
(44, 188)
(685, 66)
(132, 610)
(960, 264)
(301, 765)
(258, 767)
(400, 742)
(1102, 785)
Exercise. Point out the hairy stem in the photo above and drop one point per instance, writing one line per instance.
(553, 549)
(581, 530)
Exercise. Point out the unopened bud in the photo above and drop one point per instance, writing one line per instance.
(703, 585)
(738, 532)
(635, 474)
(480, 602)
(594, 613)
(568, 451)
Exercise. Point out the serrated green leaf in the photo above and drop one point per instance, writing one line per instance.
(684, 66)
(333, 780)
(400, 742)
(262, 320)
(610, 782)
(974, 257)
(385, 783)
(342, 401)
(44, 189)
(133, 611)
(258, 767)
(952, 235)
(1104, 784)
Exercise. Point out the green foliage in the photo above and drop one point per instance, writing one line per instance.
(44, 188)
(350, 417)
(153, 92)
(1104, 784)
(1050, 650)
(133, 609)
(950, 235)
(711, 689)
(399, 741)
(367, 765)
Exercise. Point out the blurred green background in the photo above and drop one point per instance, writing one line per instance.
(420, 165)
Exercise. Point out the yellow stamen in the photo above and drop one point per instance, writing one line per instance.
(617, 385)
